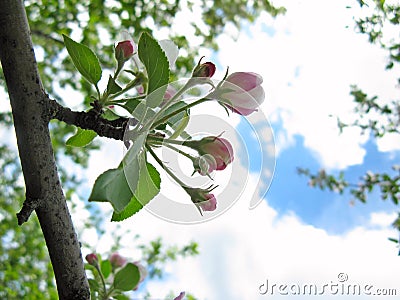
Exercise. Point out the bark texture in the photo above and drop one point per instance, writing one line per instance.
(44, 194)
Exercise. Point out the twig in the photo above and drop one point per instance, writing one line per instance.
(30, 204)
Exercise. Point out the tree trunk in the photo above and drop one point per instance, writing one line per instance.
(44, 194)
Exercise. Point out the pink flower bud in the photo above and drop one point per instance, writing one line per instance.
(169, 93)
(92, 259)
(202, 198)
(245, 93)
(180, 297)
(205, 164)
(210, 204)
(124, 50)
(117, 260)
(206, 69)
(219, 148)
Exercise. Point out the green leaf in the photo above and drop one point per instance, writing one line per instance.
(112, 86)
(106, 268)
(94, 285)
(157, 67)
(180, 126)
(149, 182)
(112, 186)
(148, 187)
(109, 114)
(81, 138)
(84, 60)
(131, 104)
(132, 208)
(127, 278)
(121, 297)
(179, 121)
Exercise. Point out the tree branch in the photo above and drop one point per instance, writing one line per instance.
(28, 103)
(88, 120)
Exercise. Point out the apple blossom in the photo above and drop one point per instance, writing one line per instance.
(219, 148)
(210, 204)
(205, 164)
(124, 50)
(202, 197)
(169, 93)
(242, 92)
(206, 69)
(92, 259)
(117, 260)
(180, 296)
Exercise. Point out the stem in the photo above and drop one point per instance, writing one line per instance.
(179, 93)
(180, 152)
(98, 92)
(138, 97)
(161, 140)
(137, 81)
(119, 68)
(102, 281)
(166, 169)
(164, 119)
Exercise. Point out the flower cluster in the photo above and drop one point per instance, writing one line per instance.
(160, 112)
(241, 92)
(111, 272)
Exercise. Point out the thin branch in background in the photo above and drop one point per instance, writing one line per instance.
(46, 36)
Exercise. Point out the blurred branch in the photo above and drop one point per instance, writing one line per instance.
(389, 184)
(46, 36)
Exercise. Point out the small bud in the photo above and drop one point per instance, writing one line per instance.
(180, 296)
(124, 51)
(202, 198)
(219, 148)
(117, 260)
(210, 204)
(206, 69)
(92, 259)
(245, 93)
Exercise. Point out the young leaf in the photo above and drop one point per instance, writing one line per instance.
(94, 285)
(130, 104)
(132, 208)
(105, 268)
(149, 182)
(109, 114)
(127, 278)
(112, 86)
(148, 187)
(112, 186)
(84, 60)
(157, 67)
(81, 138)
(180, 126)
(179, 121)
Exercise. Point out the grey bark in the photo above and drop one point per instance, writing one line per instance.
(44, 194)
